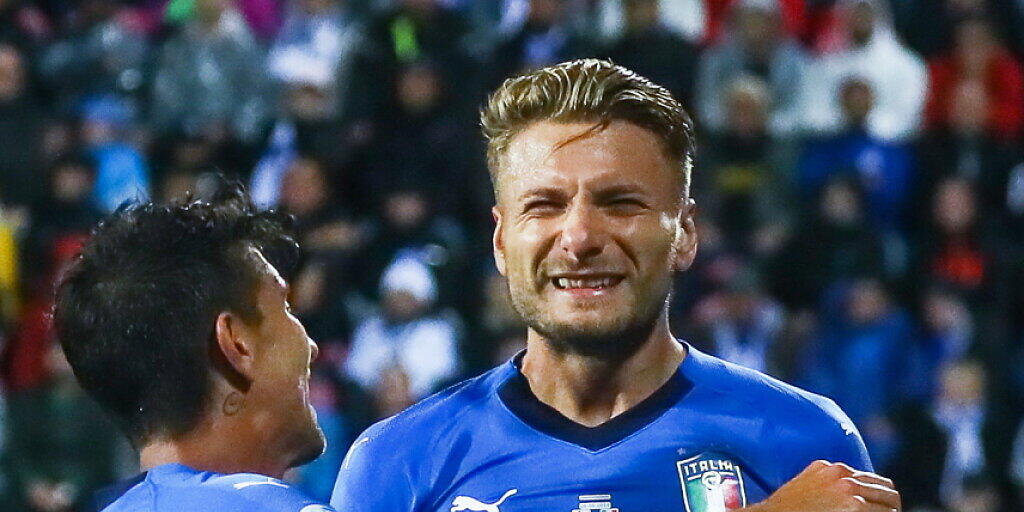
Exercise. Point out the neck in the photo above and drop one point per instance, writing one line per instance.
(218, 446)
(590, 390)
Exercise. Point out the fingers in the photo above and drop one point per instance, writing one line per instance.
(876, 492)
(872, 478)
(872, 493)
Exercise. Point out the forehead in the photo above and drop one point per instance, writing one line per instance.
(268, 278)
(552, 154)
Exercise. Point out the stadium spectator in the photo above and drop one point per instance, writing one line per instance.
(58, 223)
(929, 26)
(870, 51)
(317, 47)
(836, 237)
(955, 249)
(330, 236)
(741, 324)
(545, 37)
(978, 56)
(403, 353)
(262, 17)
(66, 210)
(859, 356)
(122, 172)
(946, 336)
(23, 25)
(409, 224)
(423, 145)
(210, 78)
(26, 364)
(99, 53)
(22, 120)
(884, 167)
(793, 15)
(61, 446)
(968, 149)
(960, 411)
(755, 45)
(653, 50)
(745, 182)
(411, 31)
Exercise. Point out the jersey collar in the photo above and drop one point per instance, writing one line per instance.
(517, 396)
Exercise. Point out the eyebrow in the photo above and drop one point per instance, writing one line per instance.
(541, 192)
(619, 190)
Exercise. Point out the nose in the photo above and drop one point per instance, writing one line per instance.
(580, 238)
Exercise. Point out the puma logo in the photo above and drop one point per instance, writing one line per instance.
(474, 505)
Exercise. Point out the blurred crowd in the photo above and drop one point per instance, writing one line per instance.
(860, 183)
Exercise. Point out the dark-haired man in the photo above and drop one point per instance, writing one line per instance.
(605, 410)
(175, 319)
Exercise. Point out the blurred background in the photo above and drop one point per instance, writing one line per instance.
(860, 179)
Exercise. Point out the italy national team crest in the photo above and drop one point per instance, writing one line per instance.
(711, 483)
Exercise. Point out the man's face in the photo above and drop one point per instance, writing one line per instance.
(590, 228)
(282, 371)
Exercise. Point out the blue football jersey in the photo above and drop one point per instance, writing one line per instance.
(175, 488)
(715, 437)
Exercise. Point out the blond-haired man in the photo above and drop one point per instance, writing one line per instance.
(605, 410)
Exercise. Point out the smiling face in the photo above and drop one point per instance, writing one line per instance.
(282, 371)
(591, 226)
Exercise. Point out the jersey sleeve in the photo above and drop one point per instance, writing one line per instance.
(249, 493)
(823, 432)
(843, 442)
(373, 477)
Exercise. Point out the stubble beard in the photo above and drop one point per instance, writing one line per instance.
(612, 340)
(312, 443)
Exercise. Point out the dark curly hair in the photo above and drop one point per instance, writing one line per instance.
(135, 311)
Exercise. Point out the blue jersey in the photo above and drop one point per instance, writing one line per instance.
(715, 437)
(175, 488)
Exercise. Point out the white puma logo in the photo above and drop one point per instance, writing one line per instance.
(475, 505)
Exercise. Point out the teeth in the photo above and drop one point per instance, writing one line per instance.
(565, 282)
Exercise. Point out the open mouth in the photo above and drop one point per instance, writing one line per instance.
(585, 283)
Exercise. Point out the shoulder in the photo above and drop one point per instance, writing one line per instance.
(398, 455)
(804, 424)
(259, 493)
(203, 491)
(433, 416)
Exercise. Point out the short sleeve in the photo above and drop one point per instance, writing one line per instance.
(373, 478)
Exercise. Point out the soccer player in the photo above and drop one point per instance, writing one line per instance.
(605, 410)
(175, 318)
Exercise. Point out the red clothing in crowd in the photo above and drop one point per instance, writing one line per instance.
(794, 17)
(1004, 82)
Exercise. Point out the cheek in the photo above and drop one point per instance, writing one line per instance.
(525, 247)
(650, 240)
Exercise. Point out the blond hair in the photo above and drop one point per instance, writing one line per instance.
(586, 90)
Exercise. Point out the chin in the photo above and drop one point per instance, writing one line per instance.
(616, 338)
(314, 447)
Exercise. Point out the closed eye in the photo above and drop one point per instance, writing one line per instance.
(626, 204)
(540, 206)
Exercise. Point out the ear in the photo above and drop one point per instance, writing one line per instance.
(499, 241)
(236, 346)
(686, 237)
